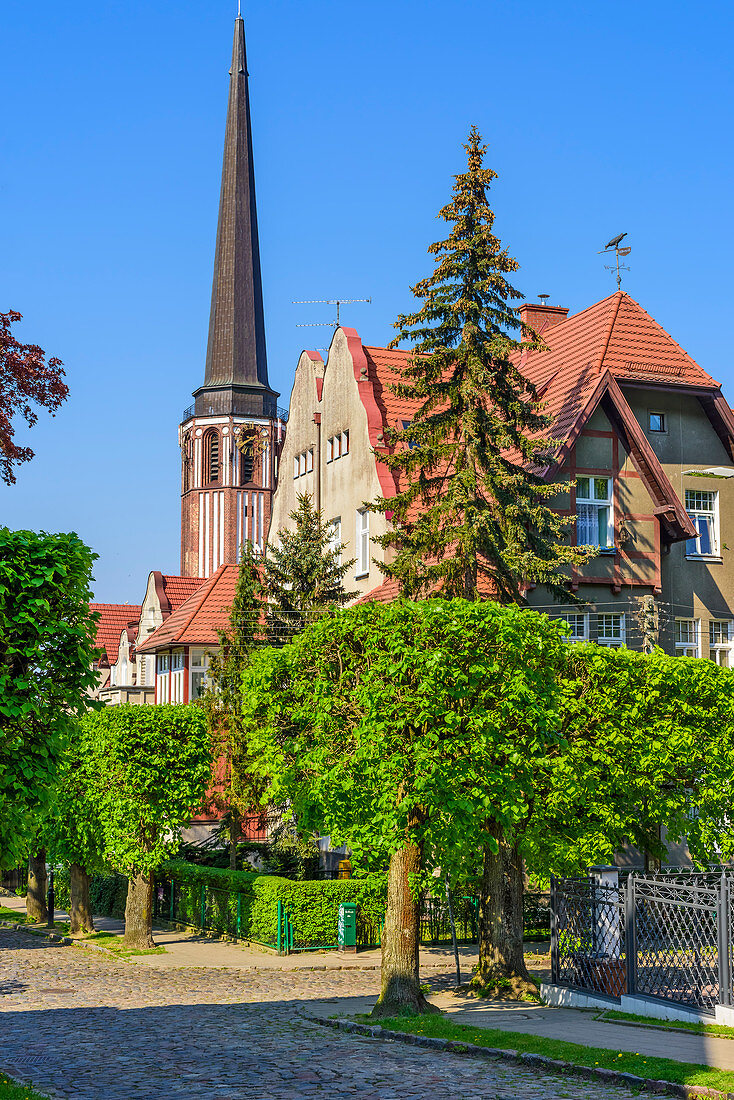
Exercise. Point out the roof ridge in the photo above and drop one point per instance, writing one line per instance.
(618, 295)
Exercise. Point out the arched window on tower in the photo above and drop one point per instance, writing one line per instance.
(247, 462)
(186, 461)
(211, 456)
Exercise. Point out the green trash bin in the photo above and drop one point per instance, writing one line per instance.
(348, 926)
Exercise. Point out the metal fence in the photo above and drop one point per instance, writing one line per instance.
(665, 936)
(224, 911)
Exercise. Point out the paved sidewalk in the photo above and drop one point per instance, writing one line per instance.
(573, 1025)
(195, 949)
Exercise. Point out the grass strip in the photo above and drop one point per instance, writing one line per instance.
(10, 1090)
(720, 1031)
(113, 942)
(643, 1065)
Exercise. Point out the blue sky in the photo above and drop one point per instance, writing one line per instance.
(600, 119)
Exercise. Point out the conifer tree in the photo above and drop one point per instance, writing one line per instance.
(240, 791)
(302, 573)
(470, 517)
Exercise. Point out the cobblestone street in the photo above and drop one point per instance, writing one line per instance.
(87, 1026)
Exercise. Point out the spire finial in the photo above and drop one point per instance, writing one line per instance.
(239, 9)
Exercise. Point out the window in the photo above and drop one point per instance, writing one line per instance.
(687, 638)
(211, 455)
(345, 443)
(336, 446)
(610, 630)
(199, 667)
(594, 521)
(295, 467)
(335, 538)
(363, 542)
(657, 422)
(247, 461)
(578, 627)
(330, 450)
(720, 639)
(163, 680)
(309, 461)
(702, 508)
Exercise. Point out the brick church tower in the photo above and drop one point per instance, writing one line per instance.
(230, 437)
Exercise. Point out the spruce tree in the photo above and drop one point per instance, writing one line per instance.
(470, 518)
(240, 791)
(302, 573)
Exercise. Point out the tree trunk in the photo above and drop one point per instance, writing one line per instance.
(36, 906)
(80, 912)
(139, 912)
(401, 992)
(501, 955)
(234, 835)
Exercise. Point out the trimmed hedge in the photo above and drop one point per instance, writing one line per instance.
(107, 893)
(313, 906)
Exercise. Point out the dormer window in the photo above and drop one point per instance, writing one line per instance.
(594, 521)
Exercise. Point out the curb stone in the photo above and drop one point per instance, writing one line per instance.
(539, 1061)
(52, 937)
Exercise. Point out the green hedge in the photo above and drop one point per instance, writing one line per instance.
(107, 893)
(313, 906)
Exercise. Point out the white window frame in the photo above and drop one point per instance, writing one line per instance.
(362, 542)
(296, 467)
(605, 633)
(573, 620)
(309, 460)
(687, 637)
(593, 504)
(700, 516)
(198, 669)
(345, 443)
(720, 648)
(330, 449)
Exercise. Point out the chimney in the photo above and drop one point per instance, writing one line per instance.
(541, 317)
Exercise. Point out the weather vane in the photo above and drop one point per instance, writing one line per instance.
(613, 246)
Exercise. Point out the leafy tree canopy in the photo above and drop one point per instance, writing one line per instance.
(435, 713)
(26, 380)
(47, 649)
(470, 517)
(151, 768)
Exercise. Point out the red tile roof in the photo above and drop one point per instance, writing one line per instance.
(617, 335)
(385, 367)
(113, 618)
(178, 589)
(198, 619)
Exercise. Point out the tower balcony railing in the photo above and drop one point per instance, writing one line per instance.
(281, 413)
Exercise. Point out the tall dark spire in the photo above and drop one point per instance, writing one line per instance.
(236, 375)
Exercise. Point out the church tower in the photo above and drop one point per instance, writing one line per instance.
(231, 436)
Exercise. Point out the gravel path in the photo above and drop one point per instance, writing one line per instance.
(81, 1024)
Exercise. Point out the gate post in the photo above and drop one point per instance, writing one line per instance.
(555, 961)
(722, 928)
(630, 940)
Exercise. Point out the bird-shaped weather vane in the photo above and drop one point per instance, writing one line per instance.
(613, 246)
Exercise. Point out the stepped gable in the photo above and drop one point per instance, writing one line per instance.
(113, 618)
(198, 620)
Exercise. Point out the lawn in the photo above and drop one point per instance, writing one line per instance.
(21, 918)
(660, 1069)
(10, 1091)
(719, 1030)
(114, 943)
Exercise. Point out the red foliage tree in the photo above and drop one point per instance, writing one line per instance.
(26, 379)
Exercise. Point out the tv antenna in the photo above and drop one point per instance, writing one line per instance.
(613, 246)
(338, 302)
